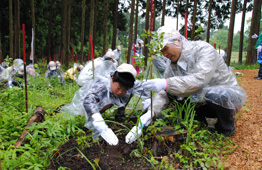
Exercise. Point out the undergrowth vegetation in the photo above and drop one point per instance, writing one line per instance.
(201, 148)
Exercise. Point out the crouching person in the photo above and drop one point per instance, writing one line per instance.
(100, 94)
(197, 70)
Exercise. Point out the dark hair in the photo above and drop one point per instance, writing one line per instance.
(124, 79)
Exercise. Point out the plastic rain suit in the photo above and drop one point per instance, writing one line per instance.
(118, 55)
(199, 70)
(96, 96)
(70, 73)
(160, 63)
(55, 73)
(102, 68)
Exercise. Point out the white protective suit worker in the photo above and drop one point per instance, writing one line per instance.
(197, 70)
(10, 72)
(101, 64)
(53, 72)
(101, 93)
(118, 54)
(73, 72)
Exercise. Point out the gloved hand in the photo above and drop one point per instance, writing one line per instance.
(106, 133)
(254, 36)
(259, 48)
(146, 104)
(10, 84)
(146, 118)
(109, 136)
(99, 123)
(155, 85)
(136, 132)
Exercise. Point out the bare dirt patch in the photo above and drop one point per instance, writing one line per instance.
(248, 134)
(246, 156)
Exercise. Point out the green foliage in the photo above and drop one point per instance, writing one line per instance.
(238, 66)
(201, 148)
(43, 138)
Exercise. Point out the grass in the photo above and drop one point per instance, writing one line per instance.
(202, 148)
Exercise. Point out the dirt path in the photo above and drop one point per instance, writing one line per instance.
(248, 136)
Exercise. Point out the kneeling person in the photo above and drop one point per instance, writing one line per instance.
(101, 93)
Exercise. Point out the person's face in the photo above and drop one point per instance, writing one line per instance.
(117, 89)
(172, 51)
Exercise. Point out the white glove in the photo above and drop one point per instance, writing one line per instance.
(155, 85)
(106, 133)
(136, 132)
(254, 36)
(146, 118)
(99, 123)
(109, 136)
(10, 84)
(146, 104)
(259, 48)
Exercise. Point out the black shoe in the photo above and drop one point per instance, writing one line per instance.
(258, 78)
(228, 133)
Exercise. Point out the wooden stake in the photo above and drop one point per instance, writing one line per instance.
(26, 103)
(185, 25)
(151, 55)
(92, 52)
(61, 57)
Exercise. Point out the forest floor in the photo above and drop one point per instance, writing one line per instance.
(248, 136)
(246, 156)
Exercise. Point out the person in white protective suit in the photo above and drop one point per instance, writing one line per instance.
(101, 64)
(1, 69)
(53, 72)
(197, 70)
(118, 54)
(101, 93)
(10, 72)
(160, 63)
(137, 51)
(73, 72)
(31, 70)
(223, 54)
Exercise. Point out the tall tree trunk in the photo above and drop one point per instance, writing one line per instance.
(105, 26)
(83, 28)
(33, 26)
(91, 25)
(194, 21)
(1, 52)
(242, 32)
(177, 13)
(145, 50)
(154, 17)
(48, 45)
(186, 17)
(94, 28)
(130, 35)
(64, 34)
(68, 27)
(163, 13)
(11, 41)
(136, 21)
(231, 32)
(17, 30)
(209, 19)
(115, 24)
(187, 7)
(251, 52)
(257, 28)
